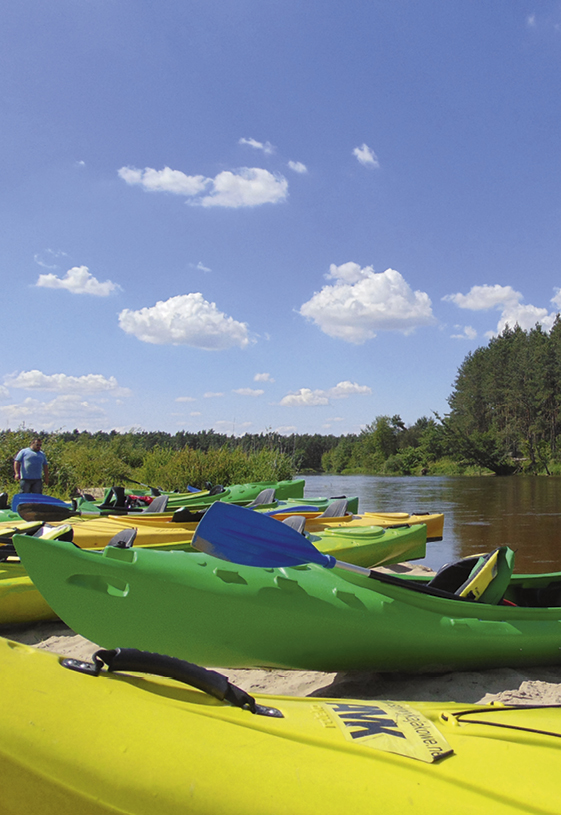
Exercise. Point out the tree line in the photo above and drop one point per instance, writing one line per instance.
(504, 418)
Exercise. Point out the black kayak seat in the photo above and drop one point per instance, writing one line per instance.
(115, 499)
(217, 490)
(265, 497)
(3, 500)
(297, 522)
(185, 515)
(158, 504)
(337, 509)
(483, 578)
(124, 539)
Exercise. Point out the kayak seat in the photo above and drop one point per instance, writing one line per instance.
(297, 522)
(3, 500)
(64, 532)
(115, 499)
(337, 509)
(186, 515)
(265, 497)
(159, 504)
(124, 539)
(217, 490)
(482, 578)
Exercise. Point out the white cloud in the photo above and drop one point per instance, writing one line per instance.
(78, 280)
(263, 378)
(506, 300)
(202, 268)
(195, 413)
(89, 384)
(249, 392)
(467, 333)
(531, 20)
(166, 180)
(247, 187)
(480, 298)
(297, 166)
(211, 395)
(286, 429)
(345, 389)
(267, 147)
(4, 392)
(67, 410)
(185, 399)
(305, 397)
(363, 302)
(366, 156)
(187, 319)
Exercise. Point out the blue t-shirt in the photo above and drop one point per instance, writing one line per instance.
(32, 463)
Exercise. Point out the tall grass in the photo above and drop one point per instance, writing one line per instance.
(83, 464)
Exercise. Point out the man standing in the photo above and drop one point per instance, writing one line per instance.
(30, 466)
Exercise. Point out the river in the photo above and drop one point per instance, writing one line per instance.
(480, 513)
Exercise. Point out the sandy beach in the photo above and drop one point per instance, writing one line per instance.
(540, 685)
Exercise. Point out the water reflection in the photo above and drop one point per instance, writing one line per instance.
(480, 513)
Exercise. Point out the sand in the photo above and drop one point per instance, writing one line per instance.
(540, 686)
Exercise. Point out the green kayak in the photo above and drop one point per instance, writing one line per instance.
(119, 499)
(303, 617)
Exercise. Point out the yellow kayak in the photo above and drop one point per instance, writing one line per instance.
(20, 601)
(434, 521)
(76, 742)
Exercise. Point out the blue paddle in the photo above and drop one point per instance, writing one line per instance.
(240, 535)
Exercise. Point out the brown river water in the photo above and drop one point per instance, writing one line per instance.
(480, 513)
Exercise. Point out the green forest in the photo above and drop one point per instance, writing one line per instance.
(503, 419)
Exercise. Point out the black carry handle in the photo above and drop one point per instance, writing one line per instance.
(211, 682)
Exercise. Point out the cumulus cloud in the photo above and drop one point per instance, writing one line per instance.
(89, 384)
(480, 298)
(363, 302)
(263, 378)
(185, 399)
(366, 156)
(66, 410)
(4, 392)
(249, 391)
(78, 280)
(467, 333)
(202, 268)
(305, 397)
(297, 166)
(212, 395)
(166, 180)
(247, 187)
(267, 147)
(507, 301)
(187, 319)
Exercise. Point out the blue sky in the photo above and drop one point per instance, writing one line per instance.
(262, 215)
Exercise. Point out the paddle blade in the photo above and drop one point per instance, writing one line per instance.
(49, 513)
(241, 535)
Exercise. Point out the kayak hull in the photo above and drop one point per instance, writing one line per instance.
(21, 602)
(214, 612)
